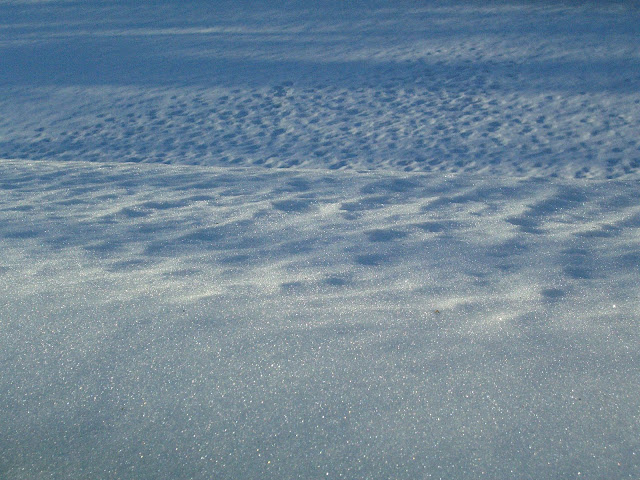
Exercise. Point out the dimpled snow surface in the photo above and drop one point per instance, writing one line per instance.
(319, 239)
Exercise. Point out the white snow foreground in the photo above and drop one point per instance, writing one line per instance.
(188, 322)
(293, 239)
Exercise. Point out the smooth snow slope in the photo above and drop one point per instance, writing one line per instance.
(441, 280)
(172, 322)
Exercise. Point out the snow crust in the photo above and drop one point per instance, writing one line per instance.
(303, 239)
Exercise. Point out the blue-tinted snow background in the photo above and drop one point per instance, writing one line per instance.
(319, 239)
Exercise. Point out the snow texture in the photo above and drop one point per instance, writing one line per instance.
(319, 239)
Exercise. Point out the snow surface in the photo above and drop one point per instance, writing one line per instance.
(319, 239)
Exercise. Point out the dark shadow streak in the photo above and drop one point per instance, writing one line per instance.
(128, 61)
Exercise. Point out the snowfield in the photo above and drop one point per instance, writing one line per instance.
(319, 239)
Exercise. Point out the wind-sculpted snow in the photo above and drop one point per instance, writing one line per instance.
(512, 89)
(302, 239)
(188, 322)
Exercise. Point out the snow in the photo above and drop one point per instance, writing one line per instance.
(301, 239)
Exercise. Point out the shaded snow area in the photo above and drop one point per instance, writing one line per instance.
(319, 239)
(419, 86)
